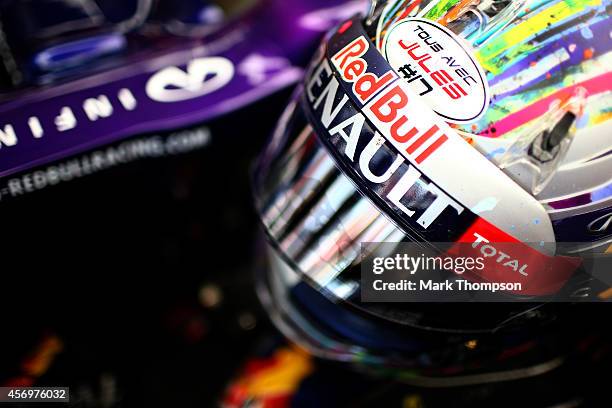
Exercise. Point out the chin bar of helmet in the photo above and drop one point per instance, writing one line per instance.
(297, 310)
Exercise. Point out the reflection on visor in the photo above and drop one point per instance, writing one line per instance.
(312, 210)
(317, 219)
(343, 333)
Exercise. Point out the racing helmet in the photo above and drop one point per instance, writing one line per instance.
(442, 121)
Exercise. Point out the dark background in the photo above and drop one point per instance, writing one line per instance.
(113, 265)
